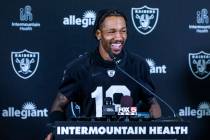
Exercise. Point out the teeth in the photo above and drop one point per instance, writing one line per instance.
(116, 45)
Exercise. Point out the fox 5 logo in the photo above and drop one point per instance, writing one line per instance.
(127, 111)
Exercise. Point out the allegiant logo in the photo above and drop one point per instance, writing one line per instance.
(29, 109)
(88, 19)
(202, 110)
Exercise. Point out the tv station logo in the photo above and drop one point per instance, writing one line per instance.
(127, 111)
(26, 20)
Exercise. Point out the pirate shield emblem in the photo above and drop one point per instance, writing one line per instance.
(144, 19)
(25, 63)
(111, 73)
(199, 64)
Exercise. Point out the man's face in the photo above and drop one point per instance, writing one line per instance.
(112, 34)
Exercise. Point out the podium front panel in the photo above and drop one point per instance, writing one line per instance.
(121, 130)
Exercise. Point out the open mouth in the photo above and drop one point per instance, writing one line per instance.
(116, 46)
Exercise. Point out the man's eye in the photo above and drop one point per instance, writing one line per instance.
(111, 31)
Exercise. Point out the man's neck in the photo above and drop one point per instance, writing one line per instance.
(104, 54)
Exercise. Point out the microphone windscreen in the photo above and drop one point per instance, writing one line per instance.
(126, 101)
(108, 101)
(117, 98)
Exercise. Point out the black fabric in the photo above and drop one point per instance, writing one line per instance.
(56, 116)
(53, 117)
(84, 74)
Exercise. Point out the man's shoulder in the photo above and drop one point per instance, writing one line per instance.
(80, 61)
(133, 57)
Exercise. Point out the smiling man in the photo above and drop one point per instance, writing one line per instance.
(91, 78)
(112, 34)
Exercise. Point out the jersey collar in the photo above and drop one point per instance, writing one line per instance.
(109, 64)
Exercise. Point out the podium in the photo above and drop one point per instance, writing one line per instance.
(161, 130)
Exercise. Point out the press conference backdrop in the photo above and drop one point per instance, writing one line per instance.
(38, 38)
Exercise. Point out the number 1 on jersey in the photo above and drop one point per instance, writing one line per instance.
(98, 95)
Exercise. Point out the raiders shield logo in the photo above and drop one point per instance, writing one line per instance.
(199, 64)
(25, 63)
(111, 73)
(144, 19)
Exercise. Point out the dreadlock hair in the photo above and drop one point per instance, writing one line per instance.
(103, 14)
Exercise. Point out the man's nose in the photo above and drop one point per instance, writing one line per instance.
(119, 36)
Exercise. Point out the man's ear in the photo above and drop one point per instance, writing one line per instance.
(98, 34)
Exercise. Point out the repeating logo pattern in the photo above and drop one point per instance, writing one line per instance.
(202, 20)
(154, 69)
(25, 13)
(144, 19)
(88, 19)
(25, 63)
(29, 109)
(202, 110)
(199, 64)
(26, 18)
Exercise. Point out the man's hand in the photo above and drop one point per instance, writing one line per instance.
(57, 112)
(49, 137)
(155, 110)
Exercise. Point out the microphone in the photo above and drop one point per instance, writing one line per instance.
(126, 108)
(141, 113)
(126, 101)
(108, 108)
(142, 84)
(108, 101)
(117, 98)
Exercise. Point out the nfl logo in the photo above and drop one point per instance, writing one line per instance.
(25, 63)
(144, 19)
(199, 64)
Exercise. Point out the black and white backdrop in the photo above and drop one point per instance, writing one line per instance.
(38, 38)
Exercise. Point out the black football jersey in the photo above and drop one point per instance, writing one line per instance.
(89, 79)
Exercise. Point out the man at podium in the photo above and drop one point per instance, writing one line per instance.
(105, 72)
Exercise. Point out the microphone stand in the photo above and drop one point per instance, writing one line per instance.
(128, 75)
(127, 118)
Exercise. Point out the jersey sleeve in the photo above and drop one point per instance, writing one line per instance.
(69, 86)
(141, 72)
(147, 81)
